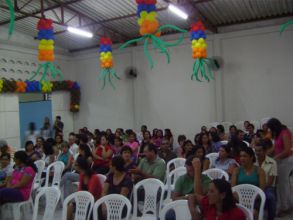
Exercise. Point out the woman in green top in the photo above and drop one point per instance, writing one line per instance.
(248, 173)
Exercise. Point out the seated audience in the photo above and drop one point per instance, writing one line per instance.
(88, 181)
(118, 144)
(216, 141)
(218, 204)
(184, 185)
(224, 161)
(199, 152)
(187, 148)
(181, 139)
(126, 153)
(18, 186)
(232, 132)
(73, 147)
(140, 134)
(248, 173)
(168, 135)
(133, 144)
(269, 165)
(39, 146)
(102, 154)
(49, 152)
(66, 157)
(31, 152)
(110, 136)
(57, 145)
(5, 148)
(240, 135)
(236, 145)
(165, 151)
(157, 138)
(221, 132)
(6, 168)
(151, 166)
(250, 133)
(205, 142)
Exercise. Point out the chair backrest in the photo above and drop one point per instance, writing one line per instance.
(171, 179)
(176, 162)
(215, 173)
(84, 202)
(57, 168)
(52, 196)
(152, 201)
(247, 194)
(115, 204)
(212, 158)
(40, 164)
(102, 178)
(180, 208)
(247, 212)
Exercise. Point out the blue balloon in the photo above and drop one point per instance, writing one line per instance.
(151, 8)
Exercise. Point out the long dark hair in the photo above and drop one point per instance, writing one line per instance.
(249, 151)
(224, 187)
(23, 158)
(85, 166)
(200, 138)
(86, 149)
(275, 126)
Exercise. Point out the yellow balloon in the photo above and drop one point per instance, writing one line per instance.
(194, 41)
(201, 40)
(153, 13)
(50, 42)
(109, 53)
(103, 54)
(150, 17)
(197, 44)
(143, 14)
(139, 22)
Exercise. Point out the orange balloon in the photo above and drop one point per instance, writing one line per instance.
(158, 34)
(202, 50)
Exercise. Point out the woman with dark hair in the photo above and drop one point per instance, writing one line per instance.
(49, 152)
(248, 173)
(218, 204)
(169, 136)
(147, 138)
(118, 144)
(133, 144)
(197, 138)
(284, 156)
(110, 136)
(126, 153)
(118, 181)
(221, 132)
(200, 153)
(66, 157)
(224, 161)
(57, 144)
(187, 149)
(88, 181)
(157, 139)
(102, 154)
(205, 142)
(181, 139)
(31, 152)
(236, 145)
(232, 131)
(216, 141)
(18, 186)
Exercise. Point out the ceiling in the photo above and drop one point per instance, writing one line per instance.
(117, 18)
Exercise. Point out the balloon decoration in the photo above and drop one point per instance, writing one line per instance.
(199, 53)
(12, 86)
(107, 62)
(12, 17)
(284, 26)
(46, 50)
(150, 30)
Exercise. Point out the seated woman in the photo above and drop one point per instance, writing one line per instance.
(88, 181)
(187, 149)
(224, 162)
(49, 153)
(126, 153)
(102, 154)
(199, 152)
(31, 152)
(6, 168)
(71, 177)
(133, 144)
(216, 141)
(66, 157)
(219, 203)
(204, 141)
(118, 181)
(18, 186)
(118, 144)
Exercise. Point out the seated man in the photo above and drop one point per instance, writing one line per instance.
(269, 165)
(165, 151)
(185, 184)
(151, 166)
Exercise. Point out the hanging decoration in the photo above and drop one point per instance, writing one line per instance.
(106, 60)
(12, 17)
(202, 64)
(150, 30)
(284, 26)
(46, 50)
(13, 86)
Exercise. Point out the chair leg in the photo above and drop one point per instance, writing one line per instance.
(16, 212)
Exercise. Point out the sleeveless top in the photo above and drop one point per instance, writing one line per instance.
(252, 179)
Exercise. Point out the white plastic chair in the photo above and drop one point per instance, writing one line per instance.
(84, 202)
(40, 164)
(58, 168)
(180, 208)
(151, 204)
(171, 180)
(245, 142)
(52, 196)
(247, 194)
(102, 178)
(115, 204)
(176, 162)
(215, 173)
(212, 158)
(247, 212)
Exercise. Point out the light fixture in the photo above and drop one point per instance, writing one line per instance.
(177, 11)
(79, 32)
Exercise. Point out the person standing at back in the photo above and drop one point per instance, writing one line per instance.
(58, 125)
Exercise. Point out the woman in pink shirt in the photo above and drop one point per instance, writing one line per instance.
(284, 157)
(133, 144)
(19, 185)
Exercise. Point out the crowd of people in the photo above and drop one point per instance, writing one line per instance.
(262, 158)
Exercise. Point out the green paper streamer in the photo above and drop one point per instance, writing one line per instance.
(202, 66)
(108, 73)
(284, 26)
(47, 65)
(12, 17)
(157, 43)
